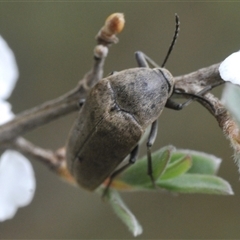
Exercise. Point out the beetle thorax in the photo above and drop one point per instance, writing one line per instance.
(142, 92)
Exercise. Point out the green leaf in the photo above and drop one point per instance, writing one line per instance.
(202, 163)
(177, 168)
(124, 213)
(137, 176)
(196, 183)
(231, 99)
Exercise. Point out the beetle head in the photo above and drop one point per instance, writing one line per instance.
(168, 77)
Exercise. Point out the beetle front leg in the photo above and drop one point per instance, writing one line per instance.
(143, 60)
(179, 106)
(175, 105)
(132, 160)
(151, 139)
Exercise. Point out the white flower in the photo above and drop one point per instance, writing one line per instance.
(6, 113)
(8, 70)
(17, 181)
(230, 68)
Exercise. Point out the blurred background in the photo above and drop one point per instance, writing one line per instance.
(53, 44)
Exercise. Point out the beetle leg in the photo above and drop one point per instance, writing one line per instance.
(143, 60)
(151, 139)
(179, 106)
(81, 102)
(175, 105)
(132, 160)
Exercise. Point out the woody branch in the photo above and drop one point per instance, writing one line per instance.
(11, 132)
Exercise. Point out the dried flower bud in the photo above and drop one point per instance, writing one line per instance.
(114, 24)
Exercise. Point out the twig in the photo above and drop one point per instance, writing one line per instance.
(54, 160)
(196, 81)
(199, 79)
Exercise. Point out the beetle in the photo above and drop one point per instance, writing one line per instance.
(114, 117)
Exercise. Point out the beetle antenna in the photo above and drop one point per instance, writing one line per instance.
(177, 28)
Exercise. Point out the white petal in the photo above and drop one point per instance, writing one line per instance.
(17, 183)
(230, 68)
(5, 112)
(8, 70)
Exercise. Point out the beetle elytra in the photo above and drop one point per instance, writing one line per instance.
(112, 120)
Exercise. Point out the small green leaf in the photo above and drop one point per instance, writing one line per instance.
(137, 176)
(124, 213)
(231, 99)
(202, 163)
(177, 168)
(196, 183)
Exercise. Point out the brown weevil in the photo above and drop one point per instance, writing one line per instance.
(114, 117)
